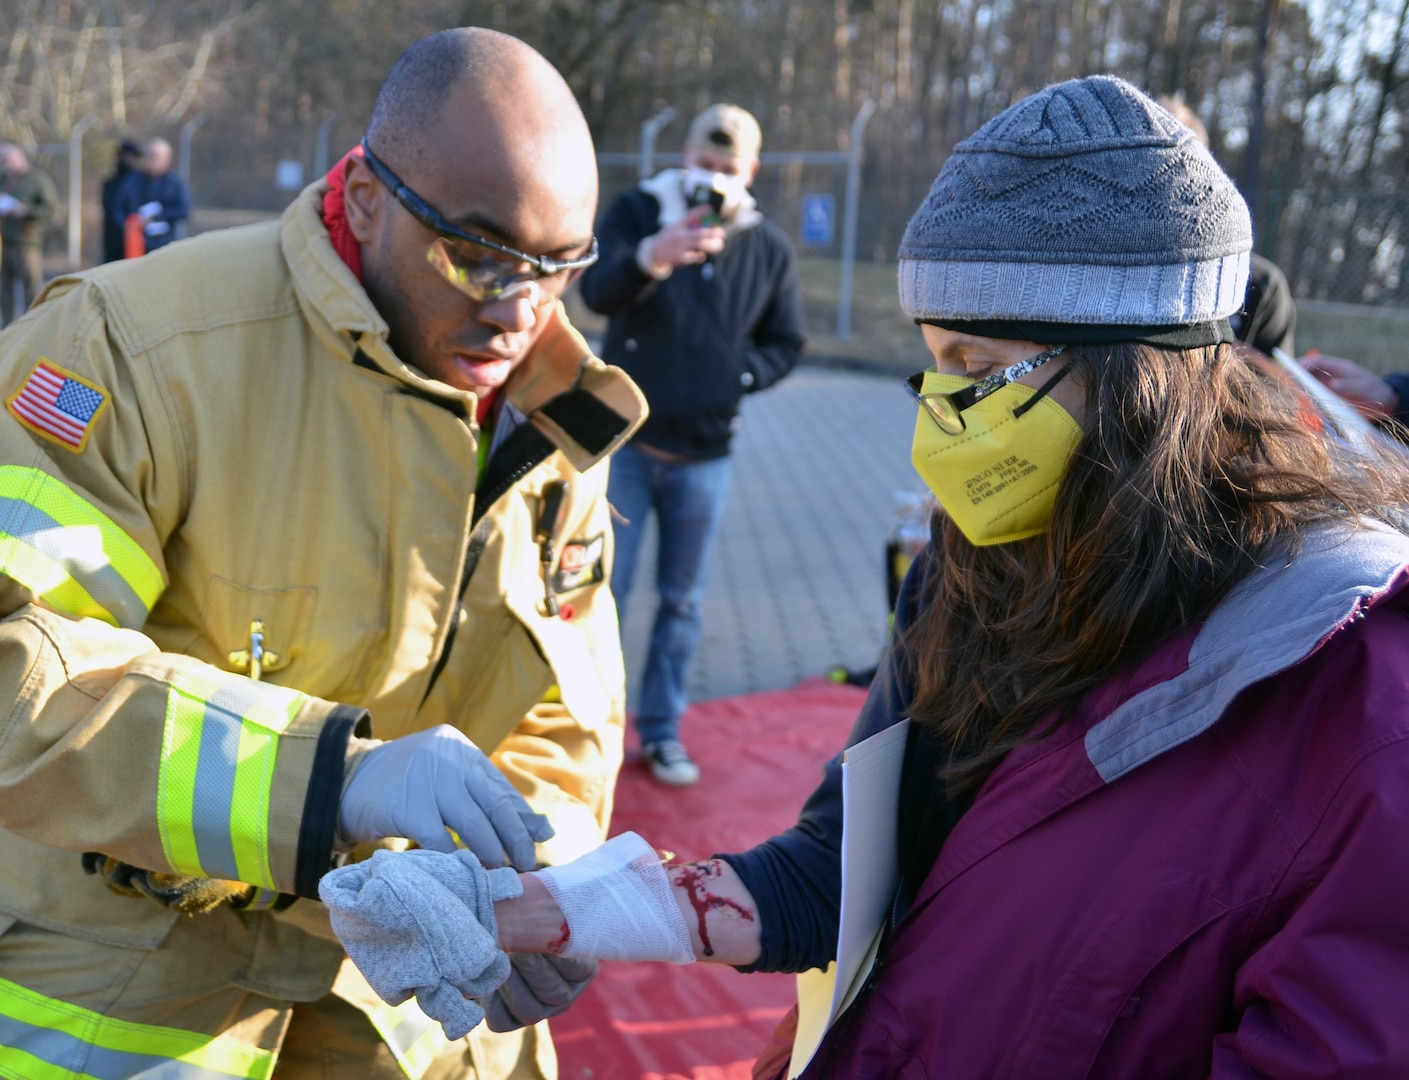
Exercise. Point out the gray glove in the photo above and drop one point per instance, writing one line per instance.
(419, 785)
(539, 985)
(422, 923)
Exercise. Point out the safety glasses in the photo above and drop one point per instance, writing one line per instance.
(482, 269)
(947, 409)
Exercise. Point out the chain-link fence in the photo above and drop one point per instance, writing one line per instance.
(1343, 251)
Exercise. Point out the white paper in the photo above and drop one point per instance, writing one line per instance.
(870, 874)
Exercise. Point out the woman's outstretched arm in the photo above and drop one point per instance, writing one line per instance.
(627, 904)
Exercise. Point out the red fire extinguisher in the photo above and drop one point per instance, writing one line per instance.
(134, 237)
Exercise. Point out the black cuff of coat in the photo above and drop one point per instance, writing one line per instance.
(320, 808)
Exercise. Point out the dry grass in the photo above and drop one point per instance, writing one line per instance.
(1374, 337)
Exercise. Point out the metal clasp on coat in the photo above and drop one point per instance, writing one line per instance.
(256, 660)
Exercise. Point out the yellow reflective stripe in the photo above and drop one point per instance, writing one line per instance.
(39, 1036)
(254, 779)
(219, 747)
(176, 779)
(49, 581)
(413, 1038)
(64, 549)
(26, 1066)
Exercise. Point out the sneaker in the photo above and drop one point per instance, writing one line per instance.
(670, 763)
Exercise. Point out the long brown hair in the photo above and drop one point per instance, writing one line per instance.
(1197, 466)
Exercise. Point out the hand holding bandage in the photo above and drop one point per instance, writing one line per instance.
(540, 985)
(433, 924)
(420, 785)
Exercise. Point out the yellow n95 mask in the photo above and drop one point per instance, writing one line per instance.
(997, 479)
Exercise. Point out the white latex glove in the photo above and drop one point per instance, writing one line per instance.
(420, 785)
(149, 210)
(539, 985)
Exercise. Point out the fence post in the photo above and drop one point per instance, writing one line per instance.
(320, 145)
(183, 163)
(75, 190)
(649, 130)
(853, 200)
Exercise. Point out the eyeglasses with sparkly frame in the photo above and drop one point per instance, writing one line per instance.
(947, 409)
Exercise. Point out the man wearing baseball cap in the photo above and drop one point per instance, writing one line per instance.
(704, 306)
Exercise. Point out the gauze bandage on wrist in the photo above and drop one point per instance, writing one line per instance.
(619, 905)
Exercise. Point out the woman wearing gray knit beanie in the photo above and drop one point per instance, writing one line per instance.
(1147, 700)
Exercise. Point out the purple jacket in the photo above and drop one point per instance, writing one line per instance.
(1204, 874)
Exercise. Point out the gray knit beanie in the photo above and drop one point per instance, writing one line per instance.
(1085, 212)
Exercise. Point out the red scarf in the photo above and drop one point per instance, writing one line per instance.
(335, 215)
(350, 251)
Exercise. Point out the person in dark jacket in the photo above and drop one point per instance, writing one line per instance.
(128, 162)
(1146, 695)
(704, 306)
(157, 195)
(28, 204)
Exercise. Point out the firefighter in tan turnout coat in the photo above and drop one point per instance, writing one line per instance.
(266, 495)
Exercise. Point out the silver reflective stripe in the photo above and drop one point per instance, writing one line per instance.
(61, 1051)
(79, 550)
(413, 1037)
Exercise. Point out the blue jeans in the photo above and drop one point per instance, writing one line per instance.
(688, 500)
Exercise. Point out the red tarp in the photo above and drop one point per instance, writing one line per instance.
(760, 756)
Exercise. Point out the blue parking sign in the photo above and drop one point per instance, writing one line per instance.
(819, 214)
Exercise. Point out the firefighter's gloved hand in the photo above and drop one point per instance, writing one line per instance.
(539, 985)
(422, 923)
(420, 785)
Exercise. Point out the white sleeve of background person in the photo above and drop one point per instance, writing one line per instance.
(619, 905)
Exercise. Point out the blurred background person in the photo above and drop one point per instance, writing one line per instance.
(1267, 319)
(702, 295)
(1381, 399)
(159, 197)
(28, 204)
(127, 162)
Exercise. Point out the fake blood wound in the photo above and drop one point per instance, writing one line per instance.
(559, 943)
(694, 879)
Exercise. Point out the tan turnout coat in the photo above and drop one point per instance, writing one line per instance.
(257, 452)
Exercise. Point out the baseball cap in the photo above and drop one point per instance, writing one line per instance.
(726, 129)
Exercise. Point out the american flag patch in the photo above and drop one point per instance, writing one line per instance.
(58, 405)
